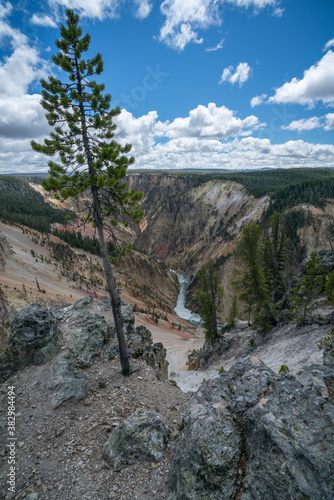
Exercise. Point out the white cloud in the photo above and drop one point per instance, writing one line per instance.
(329, 121)
(136, 131)
(316, 85)
(329, 44)
(258, 99)
(304, 124)
(143, 8)
(209, 122)
(99, 9)
(250, 153)
(184, 18)
(217, 47)
(240, 75)
(45, 21)
(5, 9)
(21, 115)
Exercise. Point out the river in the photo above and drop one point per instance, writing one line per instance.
(180, 309)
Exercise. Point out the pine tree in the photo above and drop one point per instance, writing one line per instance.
(209, 295)
(88, 158)
(310, 286)
(274, 253)
(233, 312)
(253, 284)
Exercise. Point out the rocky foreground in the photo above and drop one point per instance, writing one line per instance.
(83, 431)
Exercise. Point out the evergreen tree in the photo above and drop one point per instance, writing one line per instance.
(329, 287)
(310, 285)
(87, 155)
(274, 253)
(233, 312)
(253, 284)
(209, 295)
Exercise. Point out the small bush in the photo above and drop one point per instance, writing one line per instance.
(284, 369)
(221, 370)
(330, 336)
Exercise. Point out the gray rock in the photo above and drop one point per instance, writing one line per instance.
(68, 383)
(206, 456)
(86, 338)
(33, 339)
(212, 350)
(328, 357)
(289, 438)
(141, 344)
(143, 435)
(207, 452)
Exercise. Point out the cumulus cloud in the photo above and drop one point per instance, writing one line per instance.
(304, 124)
(329, 121)
(99, 9)
(240, 75)
(21, 115)
(45, 21)
(316, 85)
(209, 122)
(136, 131)
(250, 153)
(185, 19)
(143, 8)
(258, 99)
(329, 44)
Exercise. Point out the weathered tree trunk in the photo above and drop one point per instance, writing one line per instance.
(111, 286)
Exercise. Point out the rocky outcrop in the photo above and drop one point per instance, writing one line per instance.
(141, 344)
(34, 338)
(67, 383)
(143, 435)
(84, 334)
(85, 329)
(251, 434)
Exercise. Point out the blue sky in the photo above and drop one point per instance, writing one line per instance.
(230, 84)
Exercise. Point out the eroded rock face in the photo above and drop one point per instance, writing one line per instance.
(5, 250)
(7, 314)
(143, 435)
(34, 338)
(264, 436)
(141, 344)
(68, 382)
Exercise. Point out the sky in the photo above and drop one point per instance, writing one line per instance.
(208, 84)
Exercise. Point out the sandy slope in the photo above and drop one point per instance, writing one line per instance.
(20, 286)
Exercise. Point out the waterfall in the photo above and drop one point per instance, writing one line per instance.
(180, 308)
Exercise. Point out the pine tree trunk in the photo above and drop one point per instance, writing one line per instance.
(111, 286)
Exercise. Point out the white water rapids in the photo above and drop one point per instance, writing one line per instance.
(180, 308)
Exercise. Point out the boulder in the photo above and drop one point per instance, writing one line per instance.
(289, 438)
(85, 334)
(208, 449)
(280, 433)
(34, 338)
(143, 435)
(140, 344)
(68, 383)
(205, 461)
(193, 362)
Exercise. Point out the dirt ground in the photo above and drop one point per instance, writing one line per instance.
(59, 452)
